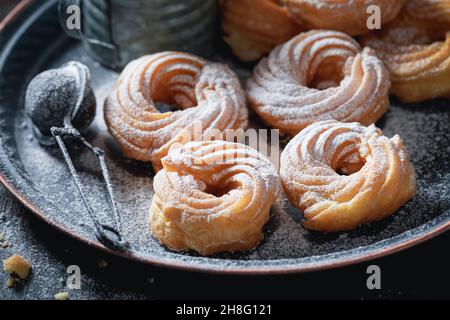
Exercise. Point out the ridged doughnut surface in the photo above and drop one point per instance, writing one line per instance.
(209, 96)
(435, 13)
(342, 175)
(283, 90)
(213, 197)
(254, 27)
(418, 72)
(416, 50)
(349, 16)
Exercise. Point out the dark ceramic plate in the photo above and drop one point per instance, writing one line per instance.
(32, 41)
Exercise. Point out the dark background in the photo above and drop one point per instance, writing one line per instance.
(5, 6)
(418, 273)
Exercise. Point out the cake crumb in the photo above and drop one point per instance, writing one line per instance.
(17, 265)
(62, 296)
(102, 264)
(10, 283)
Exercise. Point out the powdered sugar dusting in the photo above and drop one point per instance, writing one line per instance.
(213, 197)
(379, 175)
(279, 92)
(423, 127)
(170, 77)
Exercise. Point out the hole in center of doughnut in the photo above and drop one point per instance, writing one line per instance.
(350, 165)
(349, 169)
(173, 92)
(219, 191)
(328, 74)
(165, 107)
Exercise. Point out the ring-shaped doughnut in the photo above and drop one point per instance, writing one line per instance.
(342, 175)
(416, 50)
(213, 197)
(254, 27)
(209, 95)
(349, 16)
(283, 89)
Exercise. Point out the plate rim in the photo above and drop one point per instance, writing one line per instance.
(369, 252)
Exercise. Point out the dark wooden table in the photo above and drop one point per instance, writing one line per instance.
(421, 272)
